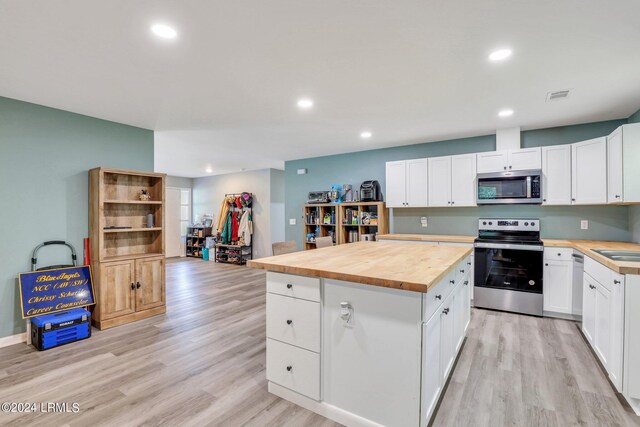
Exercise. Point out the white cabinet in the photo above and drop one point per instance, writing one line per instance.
(452, 181)
(492, 161)
(463, 180)
(406, 183)
(440, 181)
(632, 338)
(431, 381)
(623, 158)
(589, 172)
(558, 286)
(556, 175)
(603, 317)
(509, 160)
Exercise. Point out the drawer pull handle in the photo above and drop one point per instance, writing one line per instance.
(466, 282)
(452, 281)
(438, 296)
(461, 271)
(289, 322)
(445, 311)
(289, 368)
(591, 287)
(289, 286)
(469, 263)
(617, 282)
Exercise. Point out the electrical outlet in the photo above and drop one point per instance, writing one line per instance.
(584, 224)
(423, 221)
(292, 221)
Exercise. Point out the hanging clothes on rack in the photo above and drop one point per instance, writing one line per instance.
(224, 212)
(246, 228)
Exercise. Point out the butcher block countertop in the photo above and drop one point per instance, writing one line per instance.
(584, 246)
(427, 238)
(387, 264)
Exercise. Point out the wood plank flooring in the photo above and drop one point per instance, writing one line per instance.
(203, 364)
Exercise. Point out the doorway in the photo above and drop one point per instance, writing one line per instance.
(178, 212)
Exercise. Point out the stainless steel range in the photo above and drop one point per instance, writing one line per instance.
(508, 265)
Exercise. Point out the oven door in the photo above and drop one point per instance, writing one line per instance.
(513, 267)
(508, 188)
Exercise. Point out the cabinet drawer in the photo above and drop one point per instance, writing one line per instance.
(294, 321)
(558, 254)
(598, 271)
(294, 286)
(294, 368)
(436, 296)
(462, 270)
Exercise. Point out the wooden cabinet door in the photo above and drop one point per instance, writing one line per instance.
(463, 180)
(556, 175)
(439, 181)
(558, 286)
(589, 308)
(396, 183)
(117, 295)
(615, 167)
(493, 161)
(417, 183)
(525, 159)
(589, 172)
(431, 381)
(149, 283)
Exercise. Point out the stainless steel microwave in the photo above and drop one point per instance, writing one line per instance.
(518, 187)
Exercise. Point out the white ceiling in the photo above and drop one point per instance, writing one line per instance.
(223, 94)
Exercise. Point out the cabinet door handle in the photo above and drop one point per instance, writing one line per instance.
(438, 296)
(289, 368)
(452, 281)
(617, 196)
(452, 202)
(466, 282)
(616, 282)
(509, 167)
(469, 263)
(505, 168)
(573, 200)
(546, 265)
(591, 287)
(138, 285)
(461, 271)
(289, 286)
(445, 311)
(544, 200)
(132, 286)
(559, 254)
(289, 322)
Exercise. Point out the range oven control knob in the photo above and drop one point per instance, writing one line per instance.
(484, 222)
(490, 223)
(526, 223)
(532, 223)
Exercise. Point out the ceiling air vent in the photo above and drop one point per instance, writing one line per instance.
(554, 96)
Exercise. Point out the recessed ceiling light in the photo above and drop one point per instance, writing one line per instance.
(305, 103)
(208, 170)
(164, 31)
(505, 113)
(500, 54)
(366, 135)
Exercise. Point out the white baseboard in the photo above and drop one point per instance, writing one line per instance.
(13, 339)
(326, 410)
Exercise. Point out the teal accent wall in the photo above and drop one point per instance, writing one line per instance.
(44, 158)
(605, 222)
(635, 117)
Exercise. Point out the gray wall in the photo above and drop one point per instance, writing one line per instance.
(179, 182)
(44, 158)
(610, 223)
(277, 206)
(208, 193)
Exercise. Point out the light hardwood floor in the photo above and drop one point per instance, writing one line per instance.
(203, 364)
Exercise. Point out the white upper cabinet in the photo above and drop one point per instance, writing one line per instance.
(493, 161)
(589, 172)
(439, 181)
(556, 175)
(525, 159)
(614, 167)
(396, 180)
(623, 158)
(510, 160)
(463, 180)
(417, 182)
(406, 183)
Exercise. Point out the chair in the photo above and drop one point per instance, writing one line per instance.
(324, 242)
(281, 248)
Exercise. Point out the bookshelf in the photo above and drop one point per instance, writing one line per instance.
(127, 257)
(347, 221)
(196, 241)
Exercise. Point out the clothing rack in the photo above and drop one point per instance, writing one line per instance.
(233, 253)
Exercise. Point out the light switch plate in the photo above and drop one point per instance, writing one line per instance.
(423, 221)
(584, 224)
(292, 221)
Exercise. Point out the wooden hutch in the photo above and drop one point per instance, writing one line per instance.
(127, 256)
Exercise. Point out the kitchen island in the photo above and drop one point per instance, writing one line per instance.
(366, 333)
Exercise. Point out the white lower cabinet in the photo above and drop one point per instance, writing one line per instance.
(431, 380)
(603, 317)
(558, 286)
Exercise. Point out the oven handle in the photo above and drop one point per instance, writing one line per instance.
(537, 248)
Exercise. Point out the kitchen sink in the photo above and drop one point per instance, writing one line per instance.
(633, 256)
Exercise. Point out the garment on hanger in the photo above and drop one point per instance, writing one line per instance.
(224, 211)
(246, 228)
(226, 231)
(234, 226)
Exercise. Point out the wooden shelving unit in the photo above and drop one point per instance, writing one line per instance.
(128, 264)
(320, 220)
(347, 219)
(196, 239)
